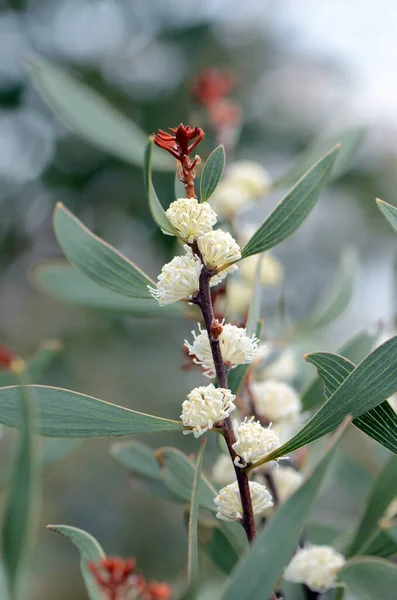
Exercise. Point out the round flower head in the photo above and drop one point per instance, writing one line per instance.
(236, 348)
(275, 400)
(238, 297)
(191, 218)
(179, 279)
(205, 406)
(229, 505)
(315, 566)
(253, 442)
(229, 199)
(271, 269)
(250, 177)
(218, 248)
(223, 470)
(287, 480)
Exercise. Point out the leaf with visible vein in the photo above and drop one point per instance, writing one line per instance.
(212, 173)
(89, 549)
(383, 491)
(91, 116)
(157, 211)
(354, 350)
(192, 553)
(217, 546)
(380, 423)
(96, 259)
(63, 413)
(389, 211)
(382, 543)
(370, 578)
(368, 385)
(291, 212)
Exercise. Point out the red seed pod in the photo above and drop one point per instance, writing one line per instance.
(6, 357)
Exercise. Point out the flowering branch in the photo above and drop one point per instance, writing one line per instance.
(203, 300)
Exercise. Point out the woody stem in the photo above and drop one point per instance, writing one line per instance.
(204, 301)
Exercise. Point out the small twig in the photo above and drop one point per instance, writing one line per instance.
(203, 300)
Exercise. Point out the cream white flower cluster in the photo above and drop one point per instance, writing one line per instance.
(193, 222)
(253, 442)
(228, 501)
(244, 183)
(287, 480)
(315, 566)
(205, 407)
(237, 348)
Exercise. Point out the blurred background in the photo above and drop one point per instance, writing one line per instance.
(301, 68)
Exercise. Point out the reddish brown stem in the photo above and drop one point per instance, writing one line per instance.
(204, 302)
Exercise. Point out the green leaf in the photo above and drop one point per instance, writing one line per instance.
(157, 211)
(217, 545)
(139, 459)
(370, 578)
(380, 423)
(96, 259)
(90, 116)
(89, 549)
(291, 212)
(192, 552)
(354, 350)
(65, 283)
(212, 173)
(20, 510)
(259, 570)
(4, 590)
(372, 381)
(350, 140)
(338, 298)
(383, 491)
(177, 472)
(36, 365)
(388, 211)
(382, 543)
(63, 413)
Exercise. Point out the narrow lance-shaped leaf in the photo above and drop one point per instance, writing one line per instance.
(91, 116)
(65, 283)
(383, 491)
(338, 297)
(217, 546)
(259, 570)
(380, 423)
(63, 413)
(382, 543)
(192, 554)
(157, 211)
(389, 211)
(372, 381)
(354, 350)
(212, 173)
(89, 549)
(96, 259)
(369, 578)
(291, 212)
(350, 140)
(4, 589)
(20, 511)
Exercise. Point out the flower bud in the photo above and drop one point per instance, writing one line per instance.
(218, 248)
(253, 442)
